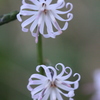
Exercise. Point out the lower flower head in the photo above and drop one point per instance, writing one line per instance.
(51, 84)
(43, 13)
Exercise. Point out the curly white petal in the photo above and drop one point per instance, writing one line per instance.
(54, 72)
(29, 6)
(53, 95)
(68, 75)
(59, 97)
(63, 69)
(37, 76)
(47, 71)
(37, 89)
(69, 94)
(60, 4)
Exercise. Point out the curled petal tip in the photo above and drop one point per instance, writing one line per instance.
(24, 29)
(68, 3)
(70, 16)
(79, 77)
(19, 17)
(71, 94)
(23, 2)
(36, 40)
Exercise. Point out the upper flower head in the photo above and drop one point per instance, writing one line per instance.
(43, 13)
(51, 85)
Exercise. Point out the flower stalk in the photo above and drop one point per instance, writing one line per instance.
(6, 18)
(40, 53)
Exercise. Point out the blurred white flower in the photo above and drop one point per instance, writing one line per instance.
(44, 14)
(96, 77)
(52, 84)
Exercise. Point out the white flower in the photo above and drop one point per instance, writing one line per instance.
(43, 13)
(96, 77)
(51, 85)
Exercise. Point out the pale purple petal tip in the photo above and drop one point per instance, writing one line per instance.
(24, 29)
(36, 39)
(19, 17)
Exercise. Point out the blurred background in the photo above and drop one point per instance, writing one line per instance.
(78, 47)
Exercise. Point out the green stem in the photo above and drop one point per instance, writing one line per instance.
(39, 53)
(6, 18)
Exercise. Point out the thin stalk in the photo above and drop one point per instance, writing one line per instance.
(6, 18)
(40, 53)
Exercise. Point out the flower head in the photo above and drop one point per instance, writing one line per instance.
(51, 84)
(43, 13)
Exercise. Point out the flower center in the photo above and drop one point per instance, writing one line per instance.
(44, 8)
(53, 84)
